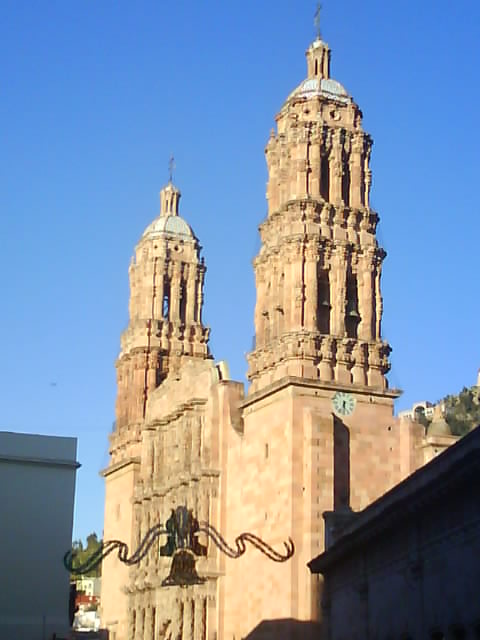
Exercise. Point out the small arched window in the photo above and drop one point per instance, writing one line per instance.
(352, 317)
(325, 178)
(183, 302)
(323, 302)
(346, 184)
(166, 300)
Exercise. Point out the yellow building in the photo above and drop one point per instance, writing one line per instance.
(315, 431)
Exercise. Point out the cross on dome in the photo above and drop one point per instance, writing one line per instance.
(171, 167)
(316, 20)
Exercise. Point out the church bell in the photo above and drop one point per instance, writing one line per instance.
(183, 572)
(352, 310)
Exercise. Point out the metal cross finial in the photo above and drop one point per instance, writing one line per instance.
(171, 167)
(317, 20)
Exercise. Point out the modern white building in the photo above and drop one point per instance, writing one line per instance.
(89, 586)
(419, 408)
(37, 485)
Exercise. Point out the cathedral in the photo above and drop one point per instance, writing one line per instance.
(315, 430)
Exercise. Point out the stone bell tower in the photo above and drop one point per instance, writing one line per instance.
(166, 297)
(319, 434)
(319, 306)
(165, 330)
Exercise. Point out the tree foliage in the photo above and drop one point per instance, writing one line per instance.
(83, 552)
(462, 411)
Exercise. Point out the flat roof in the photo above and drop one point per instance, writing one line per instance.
(29, 447)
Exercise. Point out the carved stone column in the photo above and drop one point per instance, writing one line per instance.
(356, 172)
(367, 175)
(359, 373)
(198, 628)
(259, 307)
(311, 289)
(139, 623)
(344, 361)
(175, 293)
(314, 186)
(288, 305)
(336, 168)
(200, 278)
(366, 300)
(378, 305)
(271, 155)
(338, 291)
(131, 622)
(147, 632)
(326, 362)
(187, 620)
(298, 287)
(158, 292)
(301, 170)
(190, 289)
(148, 455)
(326, 221)
(375, 375)
(177, 620)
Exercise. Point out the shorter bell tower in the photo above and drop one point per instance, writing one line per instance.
(165, 330)
(166, 297)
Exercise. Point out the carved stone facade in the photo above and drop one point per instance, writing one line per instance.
(315, 431)
(165, 333)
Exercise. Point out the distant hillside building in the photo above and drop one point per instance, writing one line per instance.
(314, 432)
(423, 408)
(37, 476)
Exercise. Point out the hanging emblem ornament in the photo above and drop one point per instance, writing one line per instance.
(182, 530)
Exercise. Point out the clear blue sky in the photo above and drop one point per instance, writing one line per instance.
(95, 98)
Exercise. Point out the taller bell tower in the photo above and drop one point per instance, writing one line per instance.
(319, 434)
(319, 306)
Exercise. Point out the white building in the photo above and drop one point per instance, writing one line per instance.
(37, 485)
(89, 586)
(419, 408)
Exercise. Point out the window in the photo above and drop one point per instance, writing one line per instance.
(352, 318)
(166, 300)
(325, 179)
(346, 184)
(323, 302)
(183, 302)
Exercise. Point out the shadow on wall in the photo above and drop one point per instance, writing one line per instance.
(341, 465)
(285, 629)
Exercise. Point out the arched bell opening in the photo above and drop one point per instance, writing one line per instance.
(352, 316)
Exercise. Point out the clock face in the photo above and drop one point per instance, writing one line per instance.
(343, 403)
